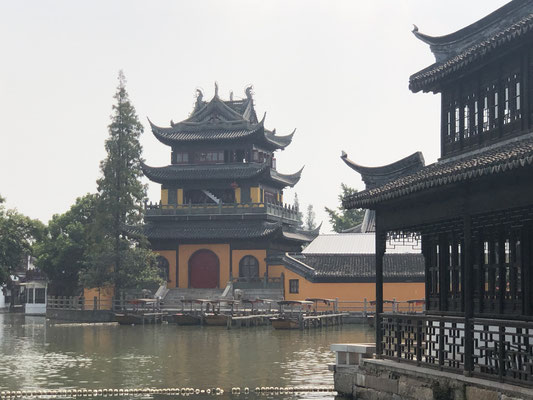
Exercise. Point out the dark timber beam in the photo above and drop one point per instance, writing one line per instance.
(380, 252)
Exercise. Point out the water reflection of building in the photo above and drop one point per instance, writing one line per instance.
(221, 212)
(472, 209)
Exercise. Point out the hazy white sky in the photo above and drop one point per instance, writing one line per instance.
(335, 70)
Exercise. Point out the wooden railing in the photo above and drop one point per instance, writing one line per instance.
(79, 303)
(283, 211)
(502, 349)
(368, 307)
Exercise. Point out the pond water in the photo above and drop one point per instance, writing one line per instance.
(37, 354)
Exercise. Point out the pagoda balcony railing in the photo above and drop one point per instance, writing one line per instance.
(502, 349)
(282, 211)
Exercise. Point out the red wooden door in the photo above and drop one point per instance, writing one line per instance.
(204, 270)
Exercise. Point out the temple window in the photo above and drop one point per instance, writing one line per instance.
(249, 267)
(294, 286)
(449, 123)
(163, 267)
(475, 131)
(457, 124)
(209, 157)
(182, 158)
(517, 99)
(495, 119)
(486, 116)
(506, 110)
(172, 196)
(466, 119)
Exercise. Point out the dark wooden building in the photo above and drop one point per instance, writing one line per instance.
(472, 211)
(221, 212)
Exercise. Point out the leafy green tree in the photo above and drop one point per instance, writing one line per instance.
(342, 219)
(18, 234)
(114, 258)
(62, 253)
(310, 223)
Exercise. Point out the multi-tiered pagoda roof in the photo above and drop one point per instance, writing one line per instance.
(222, 182)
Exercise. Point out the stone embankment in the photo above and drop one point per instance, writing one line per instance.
(358, 375)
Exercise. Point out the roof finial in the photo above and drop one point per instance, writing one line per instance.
(199, 95)
(231, 95)
(249, 92)
(415, 28)
(216, 89)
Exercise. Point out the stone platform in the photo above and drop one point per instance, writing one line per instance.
(360, 376)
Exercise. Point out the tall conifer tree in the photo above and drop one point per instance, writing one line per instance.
(113, 258)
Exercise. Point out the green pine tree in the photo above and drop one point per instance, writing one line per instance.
(114, 258)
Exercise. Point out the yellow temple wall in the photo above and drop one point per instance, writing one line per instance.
(170, 255)
(164, 197)
(401, 291)
(255, 194)
(187, 250)
(105, 296)
(180, 196)
(237, 256)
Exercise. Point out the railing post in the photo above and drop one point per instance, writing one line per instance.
(468, 293)
(501, 352)
(398, 347)
(394, 306)
(95, 303)
(441, 343)
(418, 349)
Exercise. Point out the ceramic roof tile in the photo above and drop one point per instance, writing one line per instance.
(514, 154)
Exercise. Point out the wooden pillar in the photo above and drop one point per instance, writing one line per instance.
(527, 270)
(380, 252)
(443, 271)
(501, 271)
(468, 295)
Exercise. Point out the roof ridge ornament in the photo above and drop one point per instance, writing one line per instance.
(249, 92)
(216, 89)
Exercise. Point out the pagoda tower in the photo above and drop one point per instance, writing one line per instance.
(221, 213)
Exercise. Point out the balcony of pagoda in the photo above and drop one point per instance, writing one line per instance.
(283, 212)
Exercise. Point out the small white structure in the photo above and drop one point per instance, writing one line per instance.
(35, 293)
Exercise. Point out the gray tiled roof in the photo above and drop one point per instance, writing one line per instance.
(234, 171)
(356, 267)
(185, 172)
(217, 229)
(505, 156)
(204, 132)
(495, 31)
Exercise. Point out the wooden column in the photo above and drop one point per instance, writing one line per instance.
(380, 252)
(468, 294)
(443, 272)
(527, 270)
